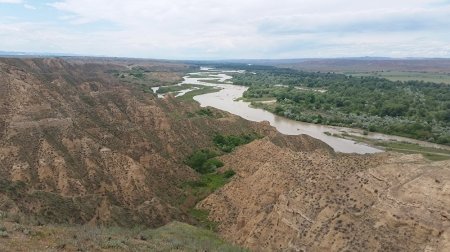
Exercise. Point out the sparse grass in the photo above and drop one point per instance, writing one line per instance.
(13, 189)
(200, 189)
(215, 81)
(205, 112)
(189, 96)
(4, 234)
(207, 184)
(261, 99)
(202, 75)
(174, 236)
(201, 216)
(171, 89)
(433, 154)
(178, 236)
(212, 181)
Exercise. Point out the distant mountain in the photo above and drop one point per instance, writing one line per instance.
(372, 65)
(34, 54)
(332, 61)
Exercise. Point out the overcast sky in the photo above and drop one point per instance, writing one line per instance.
(219, 29)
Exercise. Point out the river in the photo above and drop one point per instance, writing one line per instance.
(227, 99)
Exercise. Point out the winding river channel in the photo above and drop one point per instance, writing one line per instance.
(227, 99)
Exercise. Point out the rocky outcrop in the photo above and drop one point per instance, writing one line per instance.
(282, 199)
(77, 145)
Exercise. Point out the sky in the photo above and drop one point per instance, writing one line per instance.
(232, 29)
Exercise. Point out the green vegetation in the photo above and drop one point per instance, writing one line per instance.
(208, 183)
(229, 173)
(433, 154)
(215, 81)
(407, 76)
(414, 109)
(177, 88)
(14, 190)
(205, 112)
(229, 143)
(261, 99)
(202, 218)
(201, 75)
(137, 72)
(183, 237)
(146, 77)
(189, 96)
(175, 236)
(204, 161)
(200, 189)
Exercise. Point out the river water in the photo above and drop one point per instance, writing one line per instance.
(226, 99)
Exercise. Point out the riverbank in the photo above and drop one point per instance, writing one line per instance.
(428, 150)
(218, 93)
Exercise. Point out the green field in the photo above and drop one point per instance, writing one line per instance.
(406, 76)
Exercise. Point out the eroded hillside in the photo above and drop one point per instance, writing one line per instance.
(80, 146)
(285, 199)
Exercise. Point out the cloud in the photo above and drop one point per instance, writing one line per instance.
(29, 7)
(248, 28)
(360, 21)
(11, 1)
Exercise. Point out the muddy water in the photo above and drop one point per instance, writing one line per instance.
(225, 100)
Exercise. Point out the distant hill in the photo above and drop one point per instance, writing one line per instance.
(33, 54)
(362, 64)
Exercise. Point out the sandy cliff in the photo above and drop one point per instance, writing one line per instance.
(283, 199)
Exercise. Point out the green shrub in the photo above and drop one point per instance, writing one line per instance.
(229, 143)
(203, 161)
(229, 173)
(205, 112)
(212, 164)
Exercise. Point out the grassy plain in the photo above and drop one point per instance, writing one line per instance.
(407, 76)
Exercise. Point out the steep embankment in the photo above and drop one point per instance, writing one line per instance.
(283, 199)
(78, 146)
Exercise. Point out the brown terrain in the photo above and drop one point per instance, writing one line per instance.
(296, 200)
(80, 145)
